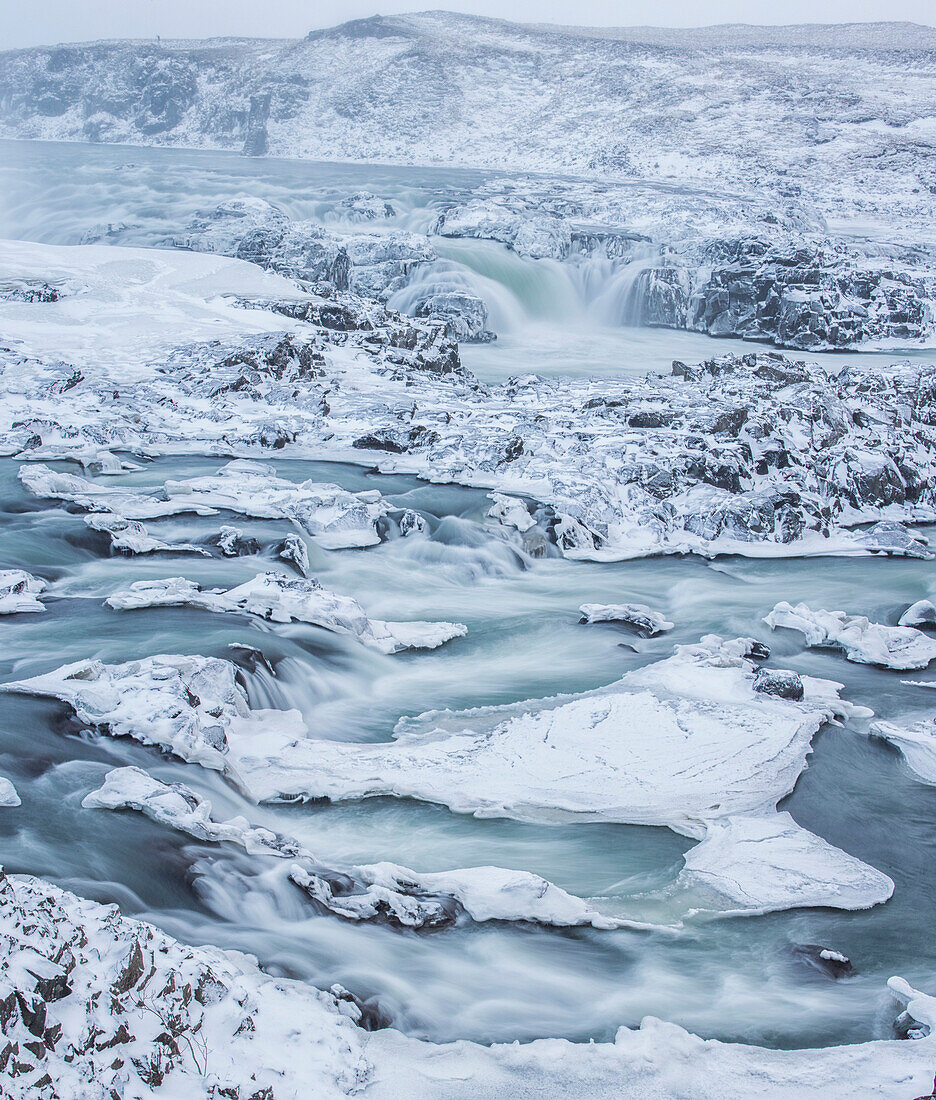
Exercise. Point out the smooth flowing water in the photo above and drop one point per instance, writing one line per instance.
(729, 978)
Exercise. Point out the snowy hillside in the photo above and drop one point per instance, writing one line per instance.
(845, 116)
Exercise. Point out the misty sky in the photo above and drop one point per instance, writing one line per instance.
(24, 24)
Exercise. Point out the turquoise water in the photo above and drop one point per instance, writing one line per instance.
(731, 978)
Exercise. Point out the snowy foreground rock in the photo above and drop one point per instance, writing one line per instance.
(280, 599)
(8, 795)
(755, 455)
(605, 755)
(383, 892)
(94, 1004)
(867, 643)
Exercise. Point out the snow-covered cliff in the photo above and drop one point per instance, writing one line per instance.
(844, 116)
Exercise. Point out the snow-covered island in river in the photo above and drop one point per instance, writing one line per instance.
(467, 500)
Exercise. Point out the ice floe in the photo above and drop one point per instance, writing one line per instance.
(766, 863)
(917, 743)
(19, 591)
(8, 795)
(281, 599)
(641, 618)
(862, 641)
(129, 536)
(332, 516)
(605, 755)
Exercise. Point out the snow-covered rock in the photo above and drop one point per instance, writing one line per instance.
(861, 640)
(231, 542)
(756, 454)
(295, 553)
(281, 599)
(190, 706)
(638, 616)
(511, 512)
(19, 591)
(256, 230)
(363, 206)
(918, 614)
(95, 1005)
(538, 236)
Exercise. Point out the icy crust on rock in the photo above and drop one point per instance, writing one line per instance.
(606, 755)
(383, 892)
(8, 795)
(333, 517)
(918, 614)
(281, 599)
(643, 619)
(87, 996)
(862, 641)
(19, 591)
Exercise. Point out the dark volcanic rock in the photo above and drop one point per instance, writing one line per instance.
(831, 964)
(779, 682)
(256, 143)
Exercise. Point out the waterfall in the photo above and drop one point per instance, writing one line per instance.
(622, 299)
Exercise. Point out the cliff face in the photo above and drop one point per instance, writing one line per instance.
(848, 120)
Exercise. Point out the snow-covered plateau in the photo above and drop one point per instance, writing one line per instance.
(419, 674)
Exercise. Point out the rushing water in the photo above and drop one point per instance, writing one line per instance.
(730, 978)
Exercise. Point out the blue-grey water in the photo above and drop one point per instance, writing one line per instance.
(731, 978)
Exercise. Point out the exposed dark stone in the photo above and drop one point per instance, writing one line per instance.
(384, 439)
(779, 682)
(832, 964)
(131, 973)
(233, 544)
(256, 143)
